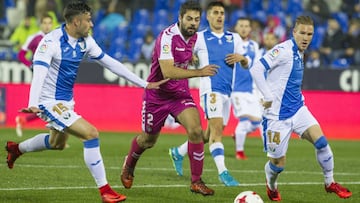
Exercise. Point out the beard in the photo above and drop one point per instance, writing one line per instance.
(188, 31)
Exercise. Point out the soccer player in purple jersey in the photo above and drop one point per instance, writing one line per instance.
(171, 56)
(225, 49)
(32, 42)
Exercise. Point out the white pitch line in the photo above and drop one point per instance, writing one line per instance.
(171, 169)
(165, 186)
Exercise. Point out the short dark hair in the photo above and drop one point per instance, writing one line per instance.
(75, 8)
(213, 4)
(189, 5)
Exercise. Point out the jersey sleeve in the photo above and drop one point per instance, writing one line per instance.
(93, 49)
(44, 52)
(239, 48)
(121, 70)
(273, 57)
(200, 50)
(165, 46)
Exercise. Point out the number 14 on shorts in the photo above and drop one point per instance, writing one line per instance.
(273, 140)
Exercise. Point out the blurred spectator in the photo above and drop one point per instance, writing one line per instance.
(231, 5)
(274, 25)
(257, 31)
(351, 8)
(335, 6)
(318, 10)
(352, 51)
(33, 40)
(148, 46)
(313, 60)
(27, 27)
(2, 9)
(333, 46)
(270, 40)
(114, 17)
(38, 8)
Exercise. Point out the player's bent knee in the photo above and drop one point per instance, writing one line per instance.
(146, 141)
(93, 133)
(195, 132)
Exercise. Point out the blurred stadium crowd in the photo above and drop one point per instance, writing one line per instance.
(126, 29)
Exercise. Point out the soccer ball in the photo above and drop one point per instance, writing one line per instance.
(248, 197)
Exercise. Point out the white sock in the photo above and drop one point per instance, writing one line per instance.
(217, 152)
(325, 158)
(182, 149)
(241, 131)
(272, 175)
(94, 161)
(37, 143)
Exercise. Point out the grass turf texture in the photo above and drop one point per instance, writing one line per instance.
(54, 176)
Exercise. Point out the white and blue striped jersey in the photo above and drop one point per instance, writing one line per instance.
(243, 81)
(284, 67)
(56, 62)
(212, 48)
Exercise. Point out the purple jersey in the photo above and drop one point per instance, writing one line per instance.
(174, 96)
(170, 44)
(32, 42)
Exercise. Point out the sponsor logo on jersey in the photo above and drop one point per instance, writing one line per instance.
(82, 46)
(210, 38)
(274, 53)
(179, 48)
(66, 115)
(229, 38)
(165, 49)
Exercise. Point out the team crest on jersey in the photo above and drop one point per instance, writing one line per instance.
(166, 49)
(274, 53)
(43, 48)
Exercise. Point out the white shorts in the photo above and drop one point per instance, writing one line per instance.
(245, 103)
(216, 105)
(278, 132)
(58, 114)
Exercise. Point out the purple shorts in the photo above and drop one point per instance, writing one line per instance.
(155, 112)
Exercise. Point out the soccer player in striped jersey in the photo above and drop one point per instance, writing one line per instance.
(285, 111)
(223, 48)
(30, 45)
(245, 97)
(55, 64)
(172, 54)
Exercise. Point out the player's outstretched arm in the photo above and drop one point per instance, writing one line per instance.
(257, 73)
(170, 71)
(121, 70)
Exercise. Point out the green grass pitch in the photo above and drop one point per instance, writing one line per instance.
(61, 176)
